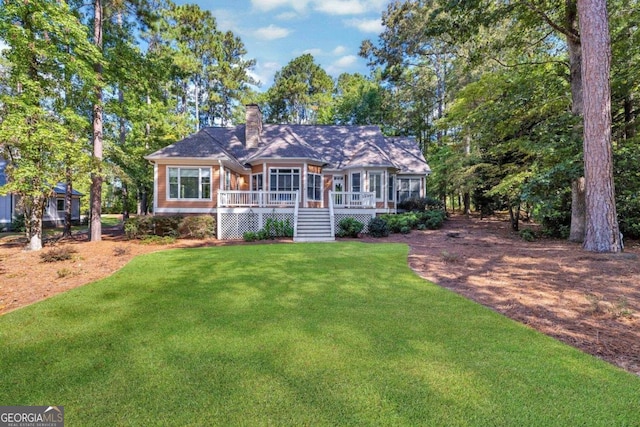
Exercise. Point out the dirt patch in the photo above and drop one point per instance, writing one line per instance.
(590, 301)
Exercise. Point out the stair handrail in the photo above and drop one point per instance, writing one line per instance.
(332, 219)
(295, 215)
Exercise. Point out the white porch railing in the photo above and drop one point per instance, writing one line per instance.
(350, 199)
(228, 199)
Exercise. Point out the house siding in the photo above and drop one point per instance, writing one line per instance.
(177, 205)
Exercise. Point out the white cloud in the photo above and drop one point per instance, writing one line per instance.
(264, 73)
(343, 64)
(287, 16)
(268, 5)
(225, 20)
(271, 32)
(346, 61)
(339, 50)
(332, 7)
(373, 26)
(340, 7)
(314, 51)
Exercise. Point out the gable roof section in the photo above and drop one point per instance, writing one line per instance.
(208, 143)
(406, 155)
(284, 143)
(336, 147)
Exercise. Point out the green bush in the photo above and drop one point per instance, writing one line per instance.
(138, 226)
(166, 226)
(250, 236)
(18, 223)
(433, 219)
(405, 222)
(275, 228)
(174, 226)
(527, 234)
(378, 227)
(419, 204)
(197, 227)
(349, 227)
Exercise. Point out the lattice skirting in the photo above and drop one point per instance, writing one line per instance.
(234, 225)
(362, 217)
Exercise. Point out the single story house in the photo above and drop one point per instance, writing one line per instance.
(54, 211)
(311, 176)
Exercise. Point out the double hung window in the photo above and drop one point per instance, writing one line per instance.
(190, 183)
(314, 187)
(375, 184)
(409, 188)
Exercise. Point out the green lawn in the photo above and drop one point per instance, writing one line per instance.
(295, 334)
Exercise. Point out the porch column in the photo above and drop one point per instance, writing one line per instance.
(222, 176)
(155, 187)
(303, 185)
(385, 188)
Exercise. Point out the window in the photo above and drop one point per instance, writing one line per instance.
(314, 186)
(60, 205)
(284, 179)
(391, 188)
(375, 184)
(256, 182)
(355, 182)
(408, 188)
(189, 183)
(227, 179)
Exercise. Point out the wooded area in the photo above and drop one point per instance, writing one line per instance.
(500, 95)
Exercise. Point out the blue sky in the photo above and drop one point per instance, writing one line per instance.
(277, 31)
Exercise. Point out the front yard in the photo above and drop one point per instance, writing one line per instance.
(305, 334)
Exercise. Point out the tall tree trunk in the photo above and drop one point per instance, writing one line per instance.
(33, 209)
(514, 216)
(95, 226)
(602, 233)
(467, 196)
(578, 212)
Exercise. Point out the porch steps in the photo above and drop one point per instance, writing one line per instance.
(314, 225)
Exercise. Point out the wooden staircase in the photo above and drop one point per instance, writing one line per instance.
(314, 225)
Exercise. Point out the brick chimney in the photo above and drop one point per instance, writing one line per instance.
(254, 126)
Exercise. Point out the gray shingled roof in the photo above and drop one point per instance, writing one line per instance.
(336, 147)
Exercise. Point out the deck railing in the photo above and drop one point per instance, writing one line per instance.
(257, 198)
(350, 199)
(343, 199)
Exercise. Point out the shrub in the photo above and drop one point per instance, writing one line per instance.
(18, 223)
(419, 204)
(276, 228)
(138, 226)
(349, 227)
(166, 226)
(433, 219)
(527, 235)
(62, 253)
(378, 227)
(197, 227)
(405, 222)
(250, 236)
